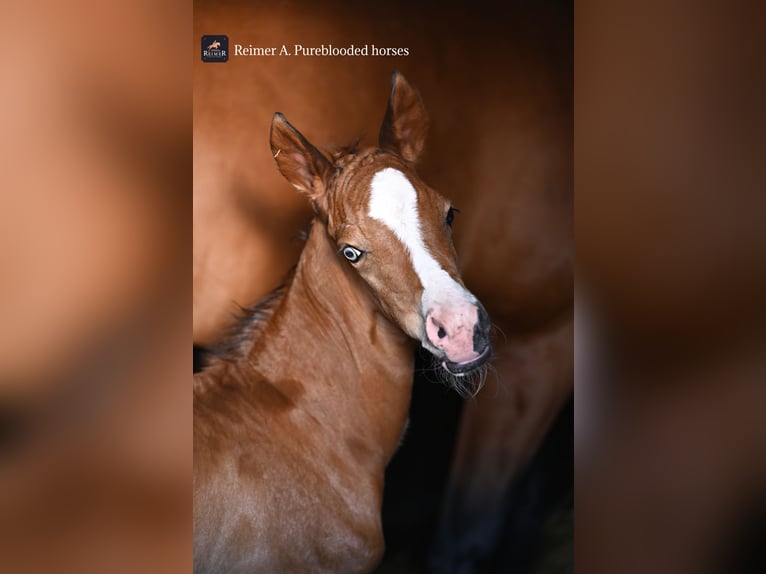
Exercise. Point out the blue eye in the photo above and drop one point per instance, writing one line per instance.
(352, 253)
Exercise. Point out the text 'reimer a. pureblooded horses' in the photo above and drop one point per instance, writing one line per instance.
(296, 420)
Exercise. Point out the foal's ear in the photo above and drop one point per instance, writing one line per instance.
(300, 163)
(406, 122)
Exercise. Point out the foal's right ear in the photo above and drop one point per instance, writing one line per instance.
(300, 163)
(406, 122)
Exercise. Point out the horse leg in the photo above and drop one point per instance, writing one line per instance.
(499, 432)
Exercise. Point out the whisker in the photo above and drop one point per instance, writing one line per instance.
(467, 386)
(496, 327)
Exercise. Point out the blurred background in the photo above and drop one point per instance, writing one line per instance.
(671, 271)
(96, 215)
(95, 259)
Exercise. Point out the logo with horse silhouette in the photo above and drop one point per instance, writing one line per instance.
(215, 48)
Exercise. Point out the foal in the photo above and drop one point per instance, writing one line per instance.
(294, 425)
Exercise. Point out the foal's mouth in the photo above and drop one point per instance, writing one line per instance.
(467, 367)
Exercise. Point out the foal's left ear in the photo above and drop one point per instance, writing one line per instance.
(406, 122)
(300, 163)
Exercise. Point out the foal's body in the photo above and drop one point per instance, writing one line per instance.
(290, 448)
(293, 428)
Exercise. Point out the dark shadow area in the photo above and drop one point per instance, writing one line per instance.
(744, 554)
(539, 528)
(416, 476)
(538, 532)
(200, 358)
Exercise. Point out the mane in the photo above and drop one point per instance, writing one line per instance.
(248, 324)
(343, 155)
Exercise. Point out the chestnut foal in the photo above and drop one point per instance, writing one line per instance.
(295, 422)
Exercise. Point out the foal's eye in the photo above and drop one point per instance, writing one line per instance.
(352, 253)
(451, 215)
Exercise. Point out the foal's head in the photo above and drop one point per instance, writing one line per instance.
(393, 229)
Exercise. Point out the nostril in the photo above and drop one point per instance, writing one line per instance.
(437, 330)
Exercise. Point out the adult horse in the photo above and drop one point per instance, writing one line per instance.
(498, 86)
(296, 419)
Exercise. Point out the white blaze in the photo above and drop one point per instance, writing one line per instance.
(394, 202)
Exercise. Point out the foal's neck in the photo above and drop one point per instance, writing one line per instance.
(353, 366)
